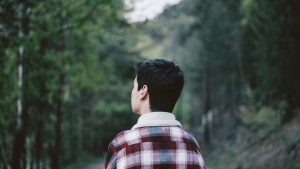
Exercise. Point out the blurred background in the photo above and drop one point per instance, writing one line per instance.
(66, 74)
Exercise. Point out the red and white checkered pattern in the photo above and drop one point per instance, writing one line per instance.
(153, 148)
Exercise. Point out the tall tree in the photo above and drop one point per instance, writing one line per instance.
(8, 86)
(19, 149)
(73, 62)
(271, 31)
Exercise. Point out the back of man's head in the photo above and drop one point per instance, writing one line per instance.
(164, 80)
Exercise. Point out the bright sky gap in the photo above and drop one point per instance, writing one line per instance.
(146, 9)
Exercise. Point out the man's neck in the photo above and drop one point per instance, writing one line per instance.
(144, 111)
(144, 108)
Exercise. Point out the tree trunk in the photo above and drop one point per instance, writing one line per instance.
(206, 98)
(3, 160)
(62, 95)
(57, 146)
(18, 155)
(39, 134)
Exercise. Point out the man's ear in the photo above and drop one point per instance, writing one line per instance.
(144, 92)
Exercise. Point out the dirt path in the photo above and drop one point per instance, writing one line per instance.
(98, 165)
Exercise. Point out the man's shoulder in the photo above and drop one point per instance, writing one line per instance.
(125, 138)
(152, 134)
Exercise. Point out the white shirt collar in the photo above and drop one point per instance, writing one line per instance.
(157, 119)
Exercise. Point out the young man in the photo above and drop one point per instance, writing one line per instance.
(157, 140)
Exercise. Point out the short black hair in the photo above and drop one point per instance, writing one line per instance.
(164, 80)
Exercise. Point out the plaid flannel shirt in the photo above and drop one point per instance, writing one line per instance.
(154, 147)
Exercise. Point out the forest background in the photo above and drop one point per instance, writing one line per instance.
(66, 73)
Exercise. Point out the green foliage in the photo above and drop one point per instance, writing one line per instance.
(271, 46)
(77, 78)
(78, 68)
(262, 120)
(259, 117)
(248, 49)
